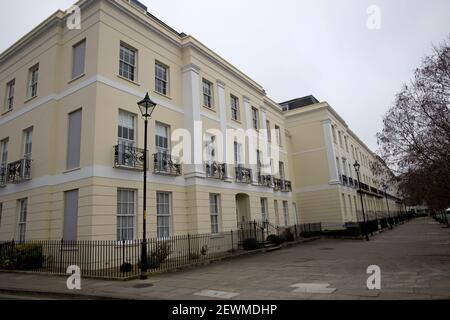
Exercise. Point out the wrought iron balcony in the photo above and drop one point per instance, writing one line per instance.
(350, 182)
(128, 157)
(165, 164)
(216, 170)
(19, 171)
(277, 184)
(286, 186)
(243, 175)
(3, 175)
(265, 180)
(282, 185)
(344, 180)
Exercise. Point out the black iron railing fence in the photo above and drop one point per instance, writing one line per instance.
(166, 164)
(243, 175)
(216, 170)
(122, 259)
(128, 156)
(19, 171)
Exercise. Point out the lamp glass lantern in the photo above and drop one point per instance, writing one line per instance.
(357, 166)
(147, 106)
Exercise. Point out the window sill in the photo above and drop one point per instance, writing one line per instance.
(76, 78)
(217, 236)
(237, 121)
(212, 109)
(128, 80)
(162, 95)
(30, 99)
(71, 170)
(6, 112)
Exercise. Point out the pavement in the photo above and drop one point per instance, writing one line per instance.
(414, 262)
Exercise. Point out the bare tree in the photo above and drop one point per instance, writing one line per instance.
(415, 139)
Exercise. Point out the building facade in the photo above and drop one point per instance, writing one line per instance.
(72, 137)
(324, 151)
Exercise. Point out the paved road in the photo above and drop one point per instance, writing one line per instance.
(414, 259)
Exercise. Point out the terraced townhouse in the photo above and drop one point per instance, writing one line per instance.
(72, 137)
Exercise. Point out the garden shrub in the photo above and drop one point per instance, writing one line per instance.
(273, 238)
(288, 236)
(250, 244)
(21, 256)
(153, 262)
(162, 250)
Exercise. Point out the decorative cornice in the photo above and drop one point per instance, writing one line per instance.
(190, 43)
(58, 18)
(220, 84)
(191, 68)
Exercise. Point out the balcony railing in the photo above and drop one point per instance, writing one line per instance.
(243, 175)
(128, 157)
(216, 170)
(165, 164)
(265, 180)
(19, 171)
(282, 185)
(277, 184)
(350, 182)
(344, 180)
(3, 175)
(286, 186)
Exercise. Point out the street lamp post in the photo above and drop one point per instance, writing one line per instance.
(357, 166)
(146, 106)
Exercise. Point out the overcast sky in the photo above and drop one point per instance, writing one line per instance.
(296, 47)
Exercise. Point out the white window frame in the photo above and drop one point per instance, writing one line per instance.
(235, 113)
(28, 142)
(4, 155)
(33, 81)
(286, 213)
(210, 147)
(208, 94)
(277, 212)
(333, 130)
(281, 170)
(74, 47)
(215, 213)
(10, 88)
(123, 125)
(264, 209)
(22, 205)
(129, 73)
(126, 209)
(162, 83)
(238, 153)
(165, 234)
(278, 134)
(255, 118)
(269, 135)
(159, 148)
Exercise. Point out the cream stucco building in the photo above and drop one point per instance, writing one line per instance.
(72, 137)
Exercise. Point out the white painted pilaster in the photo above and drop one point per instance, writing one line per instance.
(193, 123)
(251, 138)
(223, 126)
(332, 165)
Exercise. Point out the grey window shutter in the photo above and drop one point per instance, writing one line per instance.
(79, 53)
(74, 140)
(70, 215)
